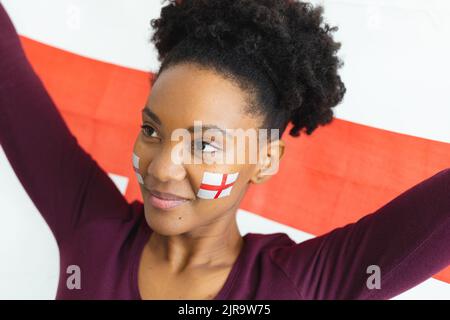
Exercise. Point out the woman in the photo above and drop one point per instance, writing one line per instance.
(244, 64)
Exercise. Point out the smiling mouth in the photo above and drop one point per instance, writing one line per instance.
(162, 203)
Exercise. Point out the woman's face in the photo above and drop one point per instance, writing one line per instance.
(183, 94)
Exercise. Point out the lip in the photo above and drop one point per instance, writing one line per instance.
(165, 201)
(166, 196)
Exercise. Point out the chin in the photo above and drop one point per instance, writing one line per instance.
(166, 223)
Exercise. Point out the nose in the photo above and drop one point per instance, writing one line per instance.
(164, 168)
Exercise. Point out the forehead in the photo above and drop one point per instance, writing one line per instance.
(186, 93)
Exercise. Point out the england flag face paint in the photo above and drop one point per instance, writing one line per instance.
(216, 185)
(136, 168)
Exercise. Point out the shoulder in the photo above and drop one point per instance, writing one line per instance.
(260, 245)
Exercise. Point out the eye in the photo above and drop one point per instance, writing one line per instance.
(205, 147)
(148, 130)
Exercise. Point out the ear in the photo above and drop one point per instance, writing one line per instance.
(269, 161)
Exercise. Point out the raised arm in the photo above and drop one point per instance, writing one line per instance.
(63, 181)
(408, 239)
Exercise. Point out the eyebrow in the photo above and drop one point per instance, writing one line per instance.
(151, 115)
(191, 129)
(210, 127)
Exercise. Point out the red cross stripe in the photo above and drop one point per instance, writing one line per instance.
(216, 185)
(218, 188)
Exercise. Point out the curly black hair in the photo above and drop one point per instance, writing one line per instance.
(280, 51)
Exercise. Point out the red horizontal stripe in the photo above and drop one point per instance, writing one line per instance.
(214, 188)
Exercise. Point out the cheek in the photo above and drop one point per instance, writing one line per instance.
(139, 161)
(216, 185)
(136, 165)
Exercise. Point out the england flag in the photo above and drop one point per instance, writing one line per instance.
(136, 168)
(216, 185)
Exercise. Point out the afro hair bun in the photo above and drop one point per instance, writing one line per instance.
(288, 40)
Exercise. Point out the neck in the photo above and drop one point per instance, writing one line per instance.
(214, 245)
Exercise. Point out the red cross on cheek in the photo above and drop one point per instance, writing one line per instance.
(216, 185)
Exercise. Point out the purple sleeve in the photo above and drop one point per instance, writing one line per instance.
(66, 185)
(408, 239)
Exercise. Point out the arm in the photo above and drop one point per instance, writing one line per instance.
(63, 181)
(408, 238)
